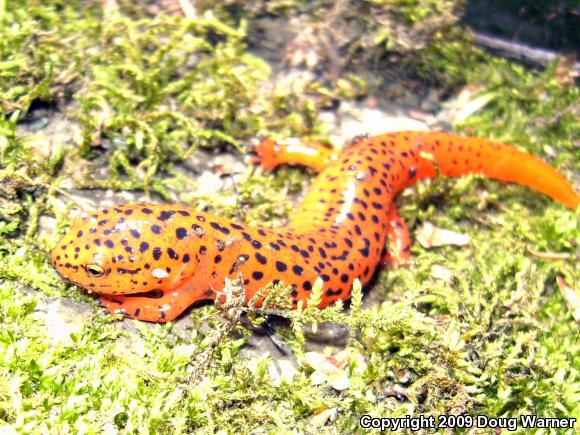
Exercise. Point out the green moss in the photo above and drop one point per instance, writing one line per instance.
(494, 339)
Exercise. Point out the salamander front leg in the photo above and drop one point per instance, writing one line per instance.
(313, 155)
(151, 309)
(399, 240)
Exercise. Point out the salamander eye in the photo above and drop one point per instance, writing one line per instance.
(95, 270)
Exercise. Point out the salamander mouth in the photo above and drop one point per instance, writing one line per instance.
(152, 294)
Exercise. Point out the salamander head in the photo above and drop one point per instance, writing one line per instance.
(127, 249)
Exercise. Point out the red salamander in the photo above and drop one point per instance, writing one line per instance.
(338, 233)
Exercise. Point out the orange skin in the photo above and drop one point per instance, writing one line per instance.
(339, 232)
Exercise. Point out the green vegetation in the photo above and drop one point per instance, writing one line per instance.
(140, 92)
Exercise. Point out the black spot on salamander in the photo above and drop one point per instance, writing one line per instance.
(261, 259)
(135, 233)
(325, 277)
(124, 271)
(217, 259)
(297, 270)
(183, 212)
(281, 266)
(109, 244)
(331, 292)
(128, 212)
(238, 263)
(236, 226)
(341, 257)
(80, 233)
(412, 172)
(247, 237)
(344, 278)
(274, 246)
(181, 233)
(202, 250)
(197, 230)
(103, 222)
(156, 253)
(218, 227)
(172, 254)
(165, 214)
(306, 285)
(257, 275)
(256, 244)
(146, 210)
(185, 258)
(156, 229)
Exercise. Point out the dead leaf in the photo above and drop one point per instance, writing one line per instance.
(571, 297)
(429, 236)
(441, 273)
(327, 369)
(323, 417)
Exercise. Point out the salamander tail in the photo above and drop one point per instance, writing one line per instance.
(453, 155)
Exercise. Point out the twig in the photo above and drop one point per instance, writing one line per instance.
(522, 52)
(231, 308)
(550, 255)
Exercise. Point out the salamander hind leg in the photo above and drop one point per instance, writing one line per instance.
(399, 240)
(151, 309)
(313, 155)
